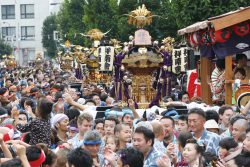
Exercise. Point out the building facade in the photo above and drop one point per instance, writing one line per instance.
(21, 23)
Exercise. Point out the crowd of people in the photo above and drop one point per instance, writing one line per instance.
(45, 122)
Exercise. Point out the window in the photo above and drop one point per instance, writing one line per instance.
(8, 11)
(27, 11)
(9, 33)
(27, 33)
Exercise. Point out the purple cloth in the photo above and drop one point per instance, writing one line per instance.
(233, 46)
(163, 89)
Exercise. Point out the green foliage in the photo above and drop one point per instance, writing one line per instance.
(124, 30)
(188, 12)
(70, 20)
(5, 48)
(107, 14)
(164, 23)
(100, 14)
(77, 16)
(49, 26)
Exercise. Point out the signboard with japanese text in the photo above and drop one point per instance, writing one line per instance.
(180, 60)
(106, 58)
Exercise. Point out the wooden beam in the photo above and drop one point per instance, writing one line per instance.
(206, 70)
(231, 19)
(228, 76)
(241, 81)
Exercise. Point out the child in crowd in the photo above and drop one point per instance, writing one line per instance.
(111, 143)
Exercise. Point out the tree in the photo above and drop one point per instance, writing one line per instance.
(101, 14)
(123, 28)
(77, 16)
(49, 43)
(5, 48)
(70, 21)
(187, 12)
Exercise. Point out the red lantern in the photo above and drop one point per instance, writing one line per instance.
(222, 35)
(202, 37)
(241, 29)
(194, 39)
(206, 37)
(212, 36)
(192, 44)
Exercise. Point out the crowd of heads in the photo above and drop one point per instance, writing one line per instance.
(45, 122)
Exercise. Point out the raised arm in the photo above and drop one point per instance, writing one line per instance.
(131, 104)
(21, 152)
(245, 110)
(68, 99)
(6, 151)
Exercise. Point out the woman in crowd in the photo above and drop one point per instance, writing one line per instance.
(39, 128)
(229, 149)
(182, 139)
(192, 153)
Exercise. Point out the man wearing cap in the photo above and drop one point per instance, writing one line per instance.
(92, 142)
(128, 116)
(212, 126)
(45, 87)
(34, 92)
(114, 112)
(60, 123)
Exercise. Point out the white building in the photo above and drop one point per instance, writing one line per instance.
(55, 5)
(21, 23)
